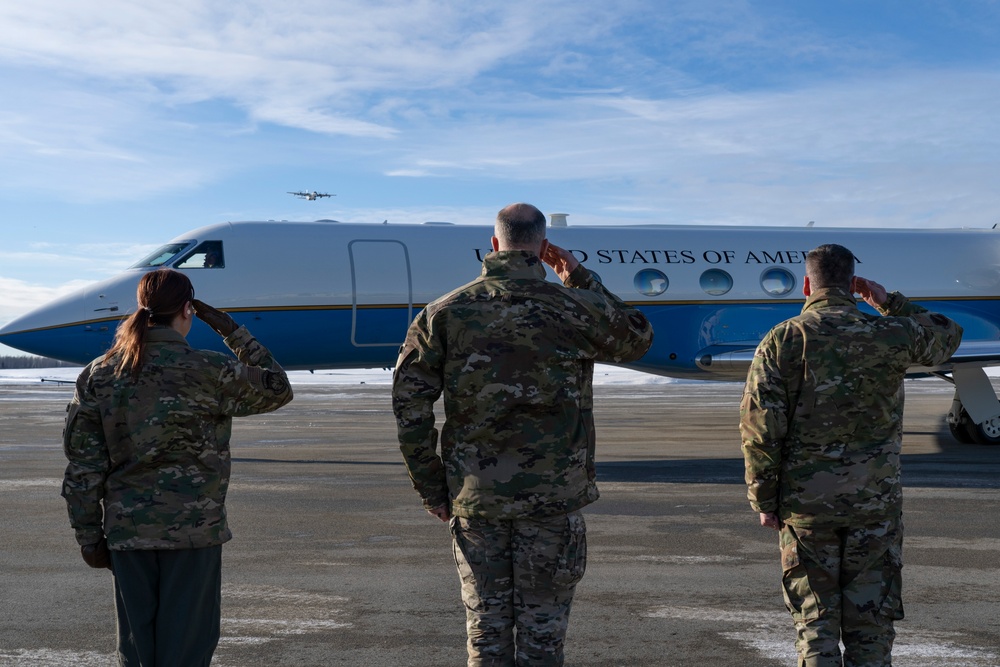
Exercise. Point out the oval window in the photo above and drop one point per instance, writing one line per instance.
(777, 281)
(650, 282)
(716, 282)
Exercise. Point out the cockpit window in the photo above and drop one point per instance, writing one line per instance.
(207, 255)
(162, 255)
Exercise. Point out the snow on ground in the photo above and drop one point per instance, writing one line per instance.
(603, 375)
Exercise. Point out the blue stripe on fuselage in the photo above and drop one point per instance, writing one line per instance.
(314, 338)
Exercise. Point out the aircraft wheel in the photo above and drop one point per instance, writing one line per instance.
(987, 433)
(961, 432)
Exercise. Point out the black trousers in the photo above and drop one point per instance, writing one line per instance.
(169, 605)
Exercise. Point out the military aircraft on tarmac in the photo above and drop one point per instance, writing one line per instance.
(311, 196)
(337, 295)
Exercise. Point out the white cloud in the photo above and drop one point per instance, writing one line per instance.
(880, 150)
(684, 112)
(120, 101)
(17, 297)
(61, 266)
(299, 64)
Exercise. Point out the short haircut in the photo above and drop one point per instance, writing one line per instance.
(520, 226)
(830, 265)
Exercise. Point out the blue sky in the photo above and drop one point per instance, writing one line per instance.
(124, 124)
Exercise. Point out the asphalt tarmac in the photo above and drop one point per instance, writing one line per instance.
(334, 562)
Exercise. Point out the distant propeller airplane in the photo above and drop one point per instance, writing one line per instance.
(311, 196)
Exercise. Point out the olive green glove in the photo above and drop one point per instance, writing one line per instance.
(220, 322)
(97, 555)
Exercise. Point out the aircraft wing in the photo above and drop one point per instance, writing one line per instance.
(732, 360)
(978, 352)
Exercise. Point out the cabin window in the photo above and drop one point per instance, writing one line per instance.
(650, 282)
(716, 282)
(207, 255)
(161, 255)
(777, 281)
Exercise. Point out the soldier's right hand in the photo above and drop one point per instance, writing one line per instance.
(869, 290)
(220, 322)
(559, 260)
(96, 555)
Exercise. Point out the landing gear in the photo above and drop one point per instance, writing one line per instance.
(960, 431)
(969, 432)
(987, 433)
(980, 399)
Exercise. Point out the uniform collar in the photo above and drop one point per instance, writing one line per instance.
(513, 264)
(164, 335)
(830, 297)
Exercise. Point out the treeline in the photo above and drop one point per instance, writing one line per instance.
(13, 361)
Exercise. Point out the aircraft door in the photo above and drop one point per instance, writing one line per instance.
(382, 293)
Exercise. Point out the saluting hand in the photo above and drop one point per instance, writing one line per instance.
(869, 290)
(562, 261)
(220, 322)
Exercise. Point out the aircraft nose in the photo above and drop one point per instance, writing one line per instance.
(65, 329)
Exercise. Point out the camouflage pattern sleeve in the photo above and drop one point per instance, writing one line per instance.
(417, 382)
(935, 336)
(764, 422)
(87, 452)
(256, 383)
(154, 450)
(627, 334)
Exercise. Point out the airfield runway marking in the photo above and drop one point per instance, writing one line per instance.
(268, 614)
(669, 560)
(43, 657)
(772, 635)
(17, 484)
(271, 613)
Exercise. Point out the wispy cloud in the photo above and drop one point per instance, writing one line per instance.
(69, 264)
(301, 64)
(135, 101)
(549, 89)
(19, 296)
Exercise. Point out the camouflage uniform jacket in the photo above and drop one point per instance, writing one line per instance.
(156, 451)
(514, 355)
(822, 410)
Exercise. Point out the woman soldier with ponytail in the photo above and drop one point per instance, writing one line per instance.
(147, 438)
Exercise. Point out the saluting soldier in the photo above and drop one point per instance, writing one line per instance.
(821, 424)
(514, 356)
(147, 438)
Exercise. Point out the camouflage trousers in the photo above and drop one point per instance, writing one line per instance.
(843, 585)
(518, 579)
